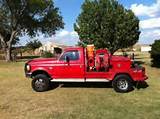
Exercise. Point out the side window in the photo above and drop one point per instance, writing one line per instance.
(73, 55)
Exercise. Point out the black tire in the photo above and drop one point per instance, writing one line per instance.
(122, 83)
(40, 83)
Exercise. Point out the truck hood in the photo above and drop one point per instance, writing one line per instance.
(42, 61)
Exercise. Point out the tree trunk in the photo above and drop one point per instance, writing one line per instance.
(8, 46)
(8, 54)
(21, 54)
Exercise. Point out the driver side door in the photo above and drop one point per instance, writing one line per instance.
(73, 68)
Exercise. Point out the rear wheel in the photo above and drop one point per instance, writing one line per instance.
(122, 83)
(40, 83)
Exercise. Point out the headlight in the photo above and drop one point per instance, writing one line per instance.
(28, 67)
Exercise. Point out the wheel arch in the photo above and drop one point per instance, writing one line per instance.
(123, 73)
(34, 73)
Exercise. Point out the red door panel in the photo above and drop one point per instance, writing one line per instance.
(72, 69)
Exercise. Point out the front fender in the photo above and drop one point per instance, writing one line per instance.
(41, 70)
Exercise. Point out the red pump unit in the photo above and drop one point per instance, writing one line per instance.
(102, 60)
(98, 60)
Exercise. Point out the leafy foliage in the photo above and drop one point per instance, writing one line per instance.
(33, 44)
(0, 45)
(155, 53)
(30, 16)
(47, 54)
(107, 24)
(19, 17)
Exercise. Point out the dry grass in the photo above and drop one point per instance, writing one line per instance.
(19, 101)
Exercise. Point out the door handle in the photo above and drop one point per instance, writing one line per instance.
(80, 66)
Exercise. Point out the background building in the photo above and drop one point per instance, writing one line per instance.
(50, 47)
(145, 48)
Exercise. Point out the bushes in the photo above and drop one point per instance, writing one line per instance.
(47, 54)
(155, 53)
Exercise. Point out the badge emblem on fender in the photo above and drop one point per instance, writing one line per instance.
(50, 68)
(119, 65)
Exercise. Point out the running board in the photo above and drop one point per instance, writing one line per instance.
(68, 80)
(96, 80)
(80, 80)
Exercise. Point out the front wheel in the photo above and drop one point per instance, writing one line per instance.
(122, 83)
(40, 83)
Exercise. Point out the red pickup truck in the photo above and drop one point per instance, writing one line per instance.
(76, 64)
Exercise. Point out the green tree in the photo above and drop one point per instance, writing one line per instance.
(0, 45)
(32, 45)
(19, 17)
(107, 24)
(155, 53)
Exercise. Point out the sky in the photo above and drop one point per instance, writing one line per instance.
(148, 12)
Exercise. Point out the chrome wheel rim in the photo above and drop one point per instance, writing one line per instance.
(39, 83)
(122, 84)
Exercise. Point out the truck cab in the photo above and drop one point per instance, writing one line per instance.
(78, 64)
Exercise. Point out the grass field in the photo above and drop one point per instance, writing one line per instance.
(19, 101)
